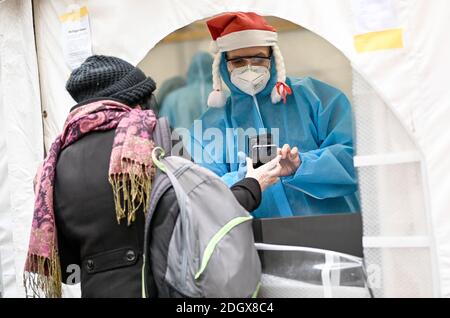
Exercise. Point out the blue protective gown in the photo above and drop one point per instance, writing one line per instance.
(317, 119)
(188, 103)
(170, 85)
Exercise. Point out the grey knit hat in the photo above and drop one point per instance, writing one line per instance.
(110, 77)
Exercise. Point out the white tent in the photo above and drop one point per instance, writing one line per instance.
(21, 137)
(400, 103)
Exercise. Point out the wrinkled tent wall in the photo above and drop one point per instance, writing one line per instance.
(56, 102)
(413, 88)
(410, 81)
(397, 240)
(21, 139)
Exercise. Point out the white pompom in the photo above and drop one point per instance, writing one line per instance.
(217, 99)
(276, 98)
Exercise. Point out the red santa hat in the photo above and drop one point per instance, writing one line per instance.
(237, 30)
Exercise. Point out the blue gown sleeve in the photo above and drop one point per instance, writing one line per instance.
(204, 158)
(328, 171)
(166, 109)
(231, 178)
(204, 153)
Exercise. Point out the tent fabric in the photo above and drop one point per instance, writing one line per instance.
(21, 138)
(186, 104)
(412, 80)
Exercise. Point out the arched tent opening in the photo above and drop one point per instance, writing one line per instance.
(401, 136)
(396, 220)
(304, 53)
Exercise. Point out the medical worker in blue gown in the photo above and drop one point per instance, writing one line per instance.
(167, 87)
(184, 105)
(313, 122)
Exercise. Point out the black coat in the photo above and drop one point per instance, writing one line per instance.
(109, 254)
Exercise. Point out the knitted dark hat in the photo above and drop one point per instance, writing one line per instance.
(107, 76)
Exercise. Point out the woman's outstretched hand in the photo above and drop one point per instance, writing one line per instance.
(266, 175)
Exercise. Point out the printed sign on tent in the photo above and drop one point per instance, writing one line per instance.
(377, 26)
(76, 35)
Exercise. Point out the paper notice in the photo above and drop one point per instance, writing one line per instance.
(76, 35)
(377, 26)
(374, 15)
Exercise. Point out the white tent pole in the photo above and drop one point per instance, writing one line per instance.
(23, 129)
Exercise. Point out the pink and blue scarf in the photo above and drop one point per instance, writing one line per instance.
(130, 174)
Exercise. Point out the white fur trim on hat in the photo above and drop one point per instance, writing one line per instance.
(217, 98)
(248, 38)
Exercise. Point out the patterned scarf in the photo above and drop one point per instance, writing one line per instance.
(130, 174)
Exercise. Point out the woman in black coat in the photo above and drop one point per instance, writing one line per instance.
(96, 251)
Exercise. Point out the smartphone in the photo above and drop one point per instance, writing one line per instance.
(262, 154)
(261, 149)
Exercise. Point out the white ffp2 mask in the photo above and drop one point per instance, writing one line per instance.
(250, 79)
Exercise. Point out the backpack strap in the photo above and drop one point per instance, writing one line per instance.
(163, 135)
(160, 186)
(164, 180)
